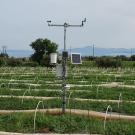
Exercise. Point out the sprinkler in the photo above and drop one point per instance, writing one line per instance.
(69, 97)
(91, 83)
(27, 90)
(35, 115)
(109, 107)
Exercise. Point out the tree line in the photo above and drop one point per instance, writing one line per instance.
(44, 47)
(41, 56)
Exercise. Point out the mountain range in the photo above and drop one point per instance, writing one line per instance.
(85, 51)
(98, 51)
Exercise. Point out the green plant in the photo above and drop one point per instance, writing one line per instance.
(108, 62)
(13, 62)
(30, 64)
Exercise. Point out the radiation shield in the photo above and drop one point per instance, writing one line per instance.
(53, 58)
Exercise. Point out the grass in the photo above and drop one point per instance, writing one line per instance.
(86, 93)
(23, 77)
(16, 104)
(64, 124)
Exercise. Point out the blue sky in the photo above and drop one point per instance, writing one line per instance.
(110, 23)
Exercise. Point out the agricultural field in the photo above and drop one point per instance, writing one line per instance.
(99, 101)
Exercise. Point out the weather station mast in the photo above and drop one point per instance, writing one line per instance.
(64, 58)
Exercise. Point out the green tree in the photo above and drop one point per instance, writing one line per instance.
(42, 49)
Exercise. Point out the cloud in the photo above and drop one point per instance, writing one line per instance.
(110, 23)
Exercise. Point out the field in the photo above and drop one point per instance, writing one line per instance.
(100, 101)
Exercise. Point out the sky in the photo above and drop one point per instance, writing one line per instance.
(110, 23)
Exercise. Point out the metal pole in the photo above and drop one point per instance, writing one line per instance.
(93, 51)
(64, 36)
(70, 51)
(64, 75)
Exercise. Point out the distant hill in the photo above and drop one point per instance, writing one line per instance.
(85, 51)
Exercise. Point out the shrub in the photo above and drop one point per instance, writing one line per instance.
(108, 62)
(134, 64)
(132, 58)
(13, 62)
(122, 57)
(30, 64)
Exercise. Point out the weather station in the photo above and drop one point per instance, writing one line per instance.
(62, 68)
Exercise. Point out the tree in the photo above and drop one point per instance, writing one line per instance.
(132, 58)
(106, 62)
(42, 48)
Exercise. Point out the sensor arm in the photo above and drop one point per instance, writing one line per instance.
(66, 24)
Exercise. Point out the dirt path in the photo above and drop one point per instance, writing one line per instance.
(116, 84)
(87, 113)
(28, 84)
(35, 89)
(9, 133)
(29, 97)
(77, 99)
(108, 85)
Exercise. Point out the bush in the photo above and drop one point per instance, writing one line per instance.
(132, 58)
(30, 64)
(45, 61)
(106, 62)
(134, 64)
(122, 57)
(13, 62)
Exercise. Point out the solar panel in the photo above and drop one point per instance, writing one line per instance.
(76, 58)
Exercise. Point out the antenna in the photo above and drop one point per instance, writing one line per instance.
(49, 21)
(83, 21)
